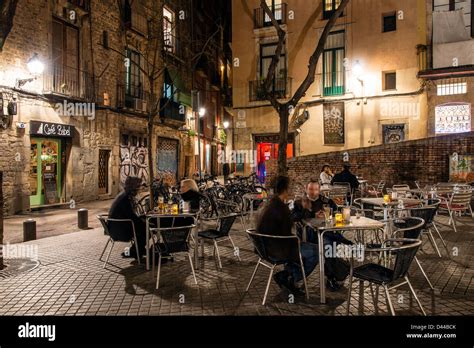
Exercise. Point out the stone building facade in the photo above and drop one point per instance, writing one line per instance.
(75, 131)
(366, 90)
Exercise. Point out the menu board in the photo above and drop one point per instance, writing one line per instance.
(50, 188)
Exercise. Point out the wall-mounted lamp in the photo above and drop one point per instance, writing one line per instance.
(35, 67)
(202, 112)
(226, 124)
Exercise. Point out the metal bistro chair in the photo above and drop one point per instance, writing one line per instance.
(411, 228)
(339, 195)
(405, 251)
(402, 190)
(274, 251)
(220, 234)
(175, 240)
(458, 203)
(337, 187)
(105, 220)
(428, 214)
(376, 190)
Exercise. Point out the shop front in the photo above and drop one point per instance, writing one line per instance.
(267, 149)
(48, 162)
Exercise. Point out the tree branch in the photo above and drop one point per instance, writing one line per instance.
(313, 61)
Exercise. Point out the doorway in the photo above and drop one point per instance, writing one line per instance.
(45, 171)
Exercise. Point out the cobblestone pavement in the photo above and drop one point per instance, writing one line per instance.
(70, 280)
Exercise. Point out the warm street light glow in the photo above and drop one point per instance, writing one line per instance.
(35, 66)
(226, 124)
(357, 70)
(202, 112)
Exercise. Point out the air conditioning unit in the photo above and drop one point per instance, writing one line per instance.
(140, 105)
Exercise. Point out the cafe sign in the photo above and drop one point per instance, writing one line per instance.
(47, 129)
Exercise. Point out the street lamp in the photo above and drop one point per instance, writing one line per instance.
(35, 67)
(202, 112)
(226, 124)
(357, 70)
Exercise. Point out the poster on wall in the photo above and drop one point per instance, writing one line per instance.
(333, 119)
(461, 168)
(393, 133)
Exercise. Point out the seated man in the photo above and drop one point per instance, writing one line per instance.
(313, 206)
(275, 219)
(346, 176)
(122, 209)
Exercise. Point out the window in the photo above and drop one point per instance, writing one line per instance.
(453, 118)
(134, 16)
(169, 31)
(65, 74)
(330, 6)
(451, 87)
(279, 84)
(333, 64)
(389, 80)
(169, 90)
(389, 22)
(276, 7)
(133, 75)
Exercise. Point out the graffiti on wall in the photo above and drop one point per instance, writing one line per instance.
(133, 162)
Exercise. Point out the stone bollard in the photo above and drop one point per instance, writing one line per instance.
(83, 219)
(29, 230)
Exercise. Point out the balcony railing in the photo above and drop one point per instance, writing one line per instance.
(171, 110)
(262, 20)
(70, 82)
(280, 88)
(132, 97)
(173, 46)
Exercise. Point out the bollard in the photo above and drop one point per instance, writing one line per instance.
(83, 219)
(29, 230)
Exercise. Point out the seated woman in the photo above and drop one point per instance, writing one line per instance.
(190, 193)
(122, 209)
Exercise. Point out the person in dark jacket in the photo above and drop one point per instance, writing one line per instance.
(122, 209)
(312, 206)
(276, 220)
(346, 176)
(190, 193)
(226, 172)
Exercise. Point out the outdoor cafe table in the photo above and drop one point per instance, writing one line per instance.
(158, 217)
(319, 225)
(379, 202)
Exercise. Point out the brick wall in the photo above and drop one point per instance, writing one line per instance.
(426, 161)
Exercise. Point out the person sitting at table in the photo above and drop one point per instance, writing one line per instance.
(326, 175)
(346, 176)
(190, 193)
(122, 209)
(312, 206)
(275, 220)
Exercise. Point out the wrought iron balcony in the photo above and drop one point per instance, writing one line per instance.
(280, 88)
(133, 98)
(171, 110)
(173, 46)
(70, 82)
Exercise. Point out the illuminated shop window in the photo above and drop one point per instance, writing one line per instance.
(453, 118)
(452, 88)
